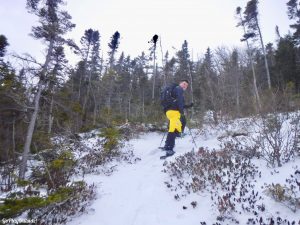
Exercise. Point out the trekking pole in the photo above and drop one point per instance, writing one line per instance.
(162, 139)
(193, 138)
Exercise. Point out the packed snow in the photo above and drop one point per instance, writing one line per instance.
(136, 194)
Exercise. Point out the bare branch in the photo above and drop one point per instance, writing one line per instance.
(27, 58)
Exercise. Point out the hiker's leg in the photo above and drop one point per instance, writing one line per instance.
(175, 123)
(183, 122)
(170, 141)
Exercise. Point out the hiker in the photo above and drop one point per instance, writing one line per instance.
(173, 107)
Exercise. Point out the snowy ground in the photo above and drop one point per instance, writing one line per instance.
(135, 194)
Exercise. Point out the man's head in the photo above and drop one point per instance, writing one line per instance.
(184, 84)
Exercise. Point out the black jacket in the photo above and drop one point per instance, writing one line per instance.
(179, 103)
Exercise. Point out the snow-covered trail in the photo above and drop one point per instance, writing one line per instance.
(135, 194)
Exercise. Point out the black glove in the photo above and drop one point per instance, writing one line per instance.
(189, 106)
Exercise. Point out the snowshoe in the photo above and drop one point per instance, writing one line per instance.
(168, 154)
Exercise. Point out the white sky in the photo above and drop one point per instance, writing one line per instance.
(203, 23)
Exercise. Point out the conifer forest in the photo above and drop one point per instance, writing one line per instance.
(48, 107)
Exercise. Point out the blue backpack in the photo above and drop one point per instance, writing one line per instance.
(167, 98)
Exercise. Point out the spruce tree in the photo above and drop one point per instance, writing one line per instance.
(294, 14)
(3, 45)
(250, 55)
(113, 46)
(252, 24)
(53, 24)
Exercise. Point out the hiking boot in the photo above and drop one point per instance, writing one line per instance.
(164, 148)
(170, 153)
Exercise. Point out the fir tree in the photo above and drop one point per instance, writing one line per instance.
(53, 24)
(251, 22)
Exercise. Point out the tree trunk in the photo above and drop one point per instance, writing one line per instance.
(129, 100)
(110, 89)
(30, 130)
(212, 95)
(154, 75)
(95, 108)
(252, 67)
(237, 94)
(87, 92)
(14, 138)
(163, 64)
(80, 81)
(50, 123)
(191, 85)
(254, 80)
(79, 88)
(143, 105)
(264, 53)
(31, 126)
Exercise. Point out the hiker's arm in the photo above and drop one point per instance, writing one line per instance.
(180, 99)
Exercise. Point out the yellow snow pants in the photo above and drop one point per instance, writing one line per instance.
(174, 118)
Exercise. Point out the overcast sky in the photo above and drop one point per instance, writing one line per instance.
(203, 23)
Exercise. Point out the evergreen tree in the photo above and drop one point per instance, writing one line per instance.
(91, 59)
(109, 79)
(184, 70)
(154, 68)
(286, 64)
(229, 81)
(270, 53)
(83, 85)
(113, 46)
(251, 22)
(183, 60)
(89, 51)
(55, 77)
(123, 86)
(294, 14)
(250, 54)
(3, 45)
(12, 108)
(234, 64)
(141, 88)
(207, 82)
(169, 68)
(54, 23)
